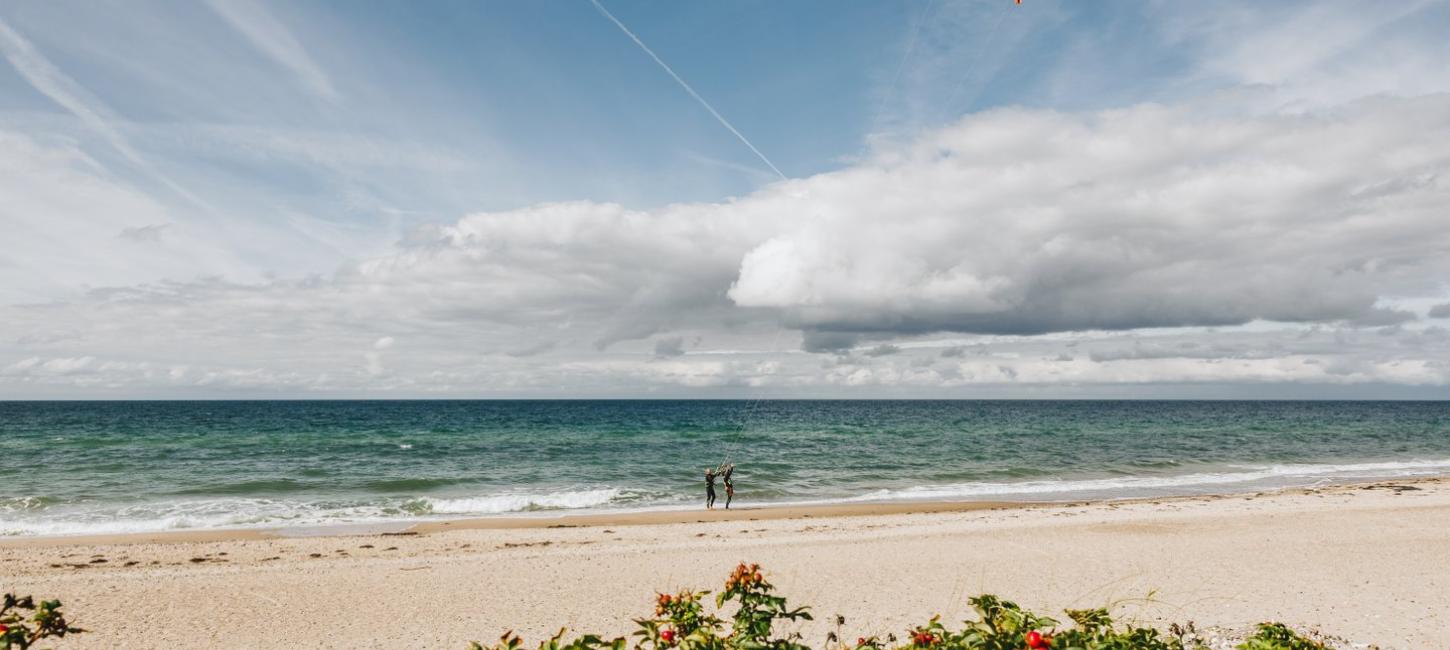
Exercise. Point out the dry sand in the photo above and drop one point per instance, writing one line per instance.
(1367, 563)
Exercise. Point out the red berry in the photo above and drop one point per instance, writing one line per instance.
(861, 641)
(668, 636)
(1035, 640)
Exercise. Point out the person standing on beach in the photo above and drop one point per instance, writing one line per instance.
(709, 489)
(729, 484)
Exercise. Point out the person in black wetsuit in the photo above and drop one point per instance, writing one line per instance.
(709, 489)
(729, 484)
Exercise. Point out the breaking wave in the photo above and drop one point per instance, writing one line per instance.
(46, 516)
(503, 503)
(1240, 476)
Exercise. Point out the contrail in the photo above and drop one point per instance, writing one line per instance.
(723, 122)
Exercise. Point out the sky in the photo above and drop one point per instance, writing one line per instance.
(916, 199)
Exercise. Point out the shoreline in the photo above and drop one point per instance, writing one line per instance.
(587, 519)
(1356, 561)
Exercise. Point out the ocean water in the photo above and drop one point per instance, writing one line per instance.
(99, 467)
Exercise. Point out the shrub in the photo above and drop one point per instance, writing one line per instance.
(1277, 636)
(681, 623)
(18, 631)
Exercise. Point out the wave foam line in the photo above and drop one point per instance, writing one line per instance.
(1124, 485)
(502, 503)
(27, 516)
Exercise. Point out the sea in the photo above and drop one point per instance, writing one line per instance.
(69, 468)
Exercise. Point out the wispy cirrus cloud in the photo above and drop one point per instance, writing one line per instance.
(1053, 199)
(272, 38)
(1240, 249)
(45, 77)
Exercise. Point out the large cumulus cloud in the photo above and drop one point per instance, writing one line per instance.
(627, 274)
(1012, 222)
(1025, 222)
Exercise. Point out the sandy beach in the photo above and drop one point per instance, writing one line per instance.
(1365, 562)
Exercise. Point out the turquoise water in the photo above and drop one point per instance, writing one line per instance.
(90, 467)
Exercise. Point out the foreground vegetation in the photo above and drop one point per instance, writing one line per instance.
(23, 623)
(681, 622)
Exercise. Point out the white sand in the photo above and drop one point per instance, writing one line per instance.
(1370, 565)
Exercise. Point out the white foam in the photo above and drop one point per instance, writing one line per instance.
(98, 519)
(27, 516)
(522, 502)
(21, 504)
(102, 519)
(1265, 475)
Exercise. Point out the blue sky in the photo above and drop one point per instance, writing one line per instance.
(171, 153)
(536, 99)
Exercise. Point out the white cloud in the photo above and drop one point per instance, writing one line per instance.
(1314, 55)
(1280, 229)
(1010, 222)
(147, 233)
(62, 214)
(1018, 221)
(36, 366)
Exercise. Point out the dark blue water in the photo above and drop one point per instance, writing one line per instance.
(76, 467)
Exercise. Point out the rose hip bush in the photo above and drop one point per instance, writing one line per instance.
(681, 623)
(22, 622)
